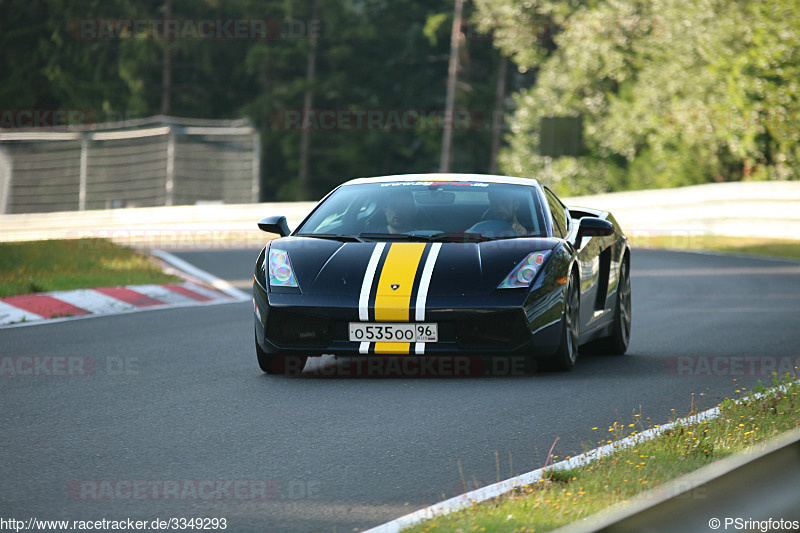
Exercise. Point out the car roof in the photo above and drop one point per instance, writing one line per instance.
(453, 177)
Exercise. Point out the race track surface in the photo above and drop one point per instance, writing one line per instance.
(146, 408)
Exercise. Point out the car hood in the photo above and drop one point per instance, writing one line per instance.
(333, 268)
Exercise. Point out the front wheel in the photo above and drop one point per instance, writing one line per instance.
(567, 353)
(617, 342)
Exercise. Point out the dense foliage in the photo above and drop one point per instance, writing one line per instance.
(671, 92)
(388, 56)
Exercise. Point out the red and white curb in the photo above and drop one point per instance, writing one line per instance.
(29, 308)
(201, 288)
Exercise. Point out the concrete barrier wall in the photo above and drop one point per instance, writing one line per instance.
(168, 228)
(770, 209)
(747, 209)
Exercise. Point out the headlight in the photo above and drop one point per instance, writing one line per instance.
(523, 273)
(280, 269)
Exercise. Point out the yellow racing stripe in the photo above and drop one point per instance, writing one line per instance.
(392, 347)
(399, 270)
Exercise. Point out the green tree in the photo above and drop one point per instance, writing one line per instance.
(47, 64)
(672, 93)
(385, 55)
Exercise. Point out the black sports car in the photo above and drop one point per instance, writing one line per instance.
(442, 265)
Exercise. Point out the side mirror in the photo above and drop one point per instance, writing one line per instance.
(275, 224)
(593, 227)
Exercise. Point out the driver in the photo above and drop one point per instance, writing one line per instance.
(400, 211)
(504, 206)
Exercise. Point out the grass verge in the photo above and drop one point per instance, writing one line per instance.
(42, 266)
(563, 496)
(788, 249)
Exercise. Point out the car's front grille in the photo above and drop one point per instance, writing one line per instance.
(287, 328)
(497, 330)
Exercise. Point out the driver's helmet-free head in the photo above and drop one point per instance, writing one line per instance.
(400, 210)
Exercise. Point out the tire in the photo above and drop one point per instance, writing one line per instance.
(567, 352)
(279, 364)
(617, 342)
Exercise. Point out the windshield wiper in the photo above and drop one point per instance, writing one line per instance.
(435, 237)
(478, 237)
(460, 237)
(440, 236)
(396, 236)
(331, 236)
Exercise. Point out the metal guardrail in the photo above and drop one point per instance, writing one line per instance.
(739, 493)
(148, 162)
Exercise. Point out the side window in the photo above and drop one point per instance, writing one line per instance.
(559, 214)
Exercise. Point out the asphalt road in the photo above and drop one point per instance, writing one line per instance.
(162, 402)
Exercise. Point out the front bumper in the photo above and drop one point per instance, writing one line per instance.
(294, 324)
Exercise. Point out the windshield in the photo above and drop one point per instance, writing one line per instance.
(428, 211)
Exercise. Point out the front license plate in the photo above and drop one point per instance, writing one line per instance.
(390, 332)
